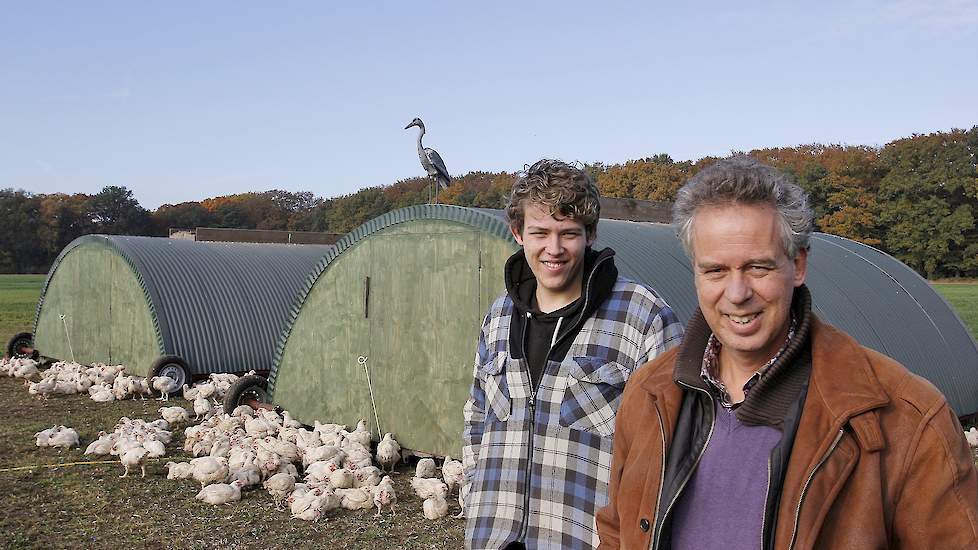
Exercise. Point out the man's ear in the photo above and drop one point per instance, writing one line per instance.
(516, 234)
(592, 235)
(801, 267)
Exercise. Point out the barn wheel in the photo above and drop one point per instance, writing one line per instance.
(248, 390)
(172, 366)
(22, 345)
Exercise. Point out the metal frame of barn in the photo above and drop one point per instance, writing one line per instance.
(408, 291)
(129, 300)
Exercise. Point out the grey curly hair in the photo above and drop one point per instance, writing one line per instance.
(562, 189)
(741, 179)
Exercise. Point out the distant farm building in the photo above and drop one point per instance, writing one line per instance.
(219, 307)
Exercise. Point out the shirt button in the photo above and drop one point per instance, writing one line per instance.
(644, 525)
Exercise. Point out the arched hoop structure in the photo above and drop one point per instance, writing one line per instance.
(408, 290)
(129, 300)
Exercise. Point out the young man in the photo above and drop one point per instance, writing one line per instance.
(768, 428)
(553, 357)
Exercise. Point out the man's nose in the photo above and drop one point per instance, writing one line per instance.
(738, 289)
(554, 245)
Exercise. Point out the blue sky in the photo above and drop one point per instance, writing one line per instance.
(186, 100)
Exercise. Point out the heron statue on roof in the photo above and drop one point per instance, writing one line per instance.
(431, 161)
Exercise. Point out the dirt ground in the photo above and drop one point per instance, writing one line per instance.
(88, 506)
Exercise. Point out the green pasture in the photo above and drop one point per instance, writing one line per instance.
(963, 297)
(18, 299)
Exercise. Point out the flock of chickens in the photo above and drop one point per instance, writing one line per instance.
(309, 471)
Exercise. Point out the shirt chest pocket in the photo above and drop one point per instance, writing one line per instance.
(593, 394)
(498, 402)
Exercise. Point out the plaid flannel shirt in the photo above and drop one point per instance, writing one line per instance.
(541, 478)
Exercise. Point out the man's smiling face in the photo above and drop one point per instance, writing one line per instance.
(554, 250)
(744, 279)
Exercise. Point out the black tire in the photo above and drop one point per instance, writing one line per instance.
(172, 366)
(20, 341)
(246, 388)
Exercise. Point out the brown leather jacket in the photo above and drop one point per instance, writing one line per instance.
(879, 459)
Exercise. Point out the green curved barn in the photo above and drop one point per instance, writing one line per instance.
(408, 291)
(219, 307)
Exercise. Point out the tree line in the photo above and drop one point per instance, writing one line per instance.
(915, 198)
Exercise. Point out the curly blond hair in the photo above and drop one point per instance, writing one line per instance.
(561, 189)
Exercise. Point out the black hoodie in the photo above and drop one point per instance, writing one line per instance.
(535, 339)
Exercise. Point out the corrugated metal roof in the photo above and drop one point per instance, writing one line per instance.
(220, 306)
(880, 301)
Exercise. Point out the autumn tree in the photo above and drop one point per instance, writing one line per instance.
(929, 202)
(114, 211)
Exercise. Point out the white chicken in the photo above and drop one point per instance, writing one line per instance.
(426, 468)
(202, 407)
(307, 506)
(341, 479)
(135, 456)
(366, 477)
(249, 474)
(174, 415)
(384, 495)
(388, 452)
(43, 437)
(360, 435)
(426, 487)
(279, 486)
(165, 385)
(221, 493)
(452, 472)
(209, 469)
(435, 507)
(972, 437)
(356, 499)
(179, 470)
(63, 437)
(101, 446)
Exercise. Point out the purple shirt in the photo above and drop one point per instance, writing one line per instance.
(722, 505)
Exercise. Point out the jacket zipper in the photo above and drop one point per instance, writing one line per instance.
(533, 397)
(767, 490)
(804, 489)
(655, 541)
(662, 471)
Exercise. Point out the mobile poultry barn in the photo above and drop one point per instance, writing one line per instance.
(401, 300)
(166, 306)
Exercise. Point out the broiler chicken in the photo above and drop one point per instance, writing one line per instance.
(435, 507)
(221, 493)
(179, 470)
(209, 469)
(135, 456)
(356, 499)
(165, 385)
(452, 472)
(279, 486)
(426, 468)
(202, 407)
(426, 487)
(174, 415)
(384, 495)
(388, 452)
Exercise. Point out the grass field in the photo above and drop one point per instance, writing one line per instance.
(88, 506)
(963, 297)
(18, 299)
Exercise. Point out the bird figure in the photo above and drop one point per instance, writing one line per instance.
(431, 160)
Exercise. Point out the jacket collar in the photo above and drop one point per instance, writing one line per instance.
(842, 383)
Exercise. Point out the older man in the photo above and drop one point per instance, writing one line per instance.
(768, 428)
